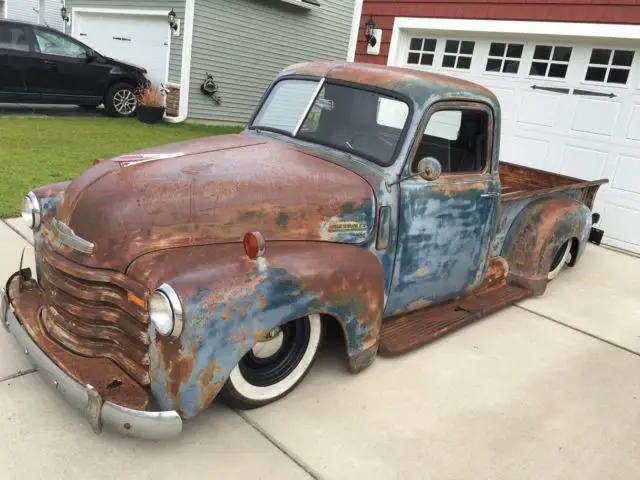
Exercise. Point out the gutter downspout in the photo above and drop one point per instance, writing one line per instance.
(185, 69)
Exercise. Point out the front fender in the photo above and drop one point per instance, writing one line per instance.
(536, 233)
(230, 302)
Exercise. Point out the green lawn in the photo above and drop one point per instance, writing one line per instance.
(37, 151)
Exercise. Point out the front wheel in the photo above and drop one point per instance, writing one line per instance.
(121, 100)
(275, 365)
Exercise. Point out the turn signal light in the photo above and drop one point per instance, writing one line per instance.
(254, 244)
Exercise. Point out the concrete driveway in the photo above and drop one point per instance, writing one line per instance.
(548, 389)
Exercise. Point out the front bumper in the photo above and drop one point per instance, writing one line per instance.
(134, 423)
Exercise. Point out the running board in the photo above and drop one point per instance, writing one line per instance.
(404, 333)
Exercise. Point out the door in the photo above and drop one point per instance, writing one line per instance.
(569, 105)
(445, 226)
(141, 40)
(66, 70)
(18, 64)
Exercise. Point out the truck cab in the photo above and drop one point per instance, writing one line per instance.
(367, 196)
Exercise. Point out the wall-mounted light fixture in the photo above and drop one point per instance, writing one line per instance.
(368, 32)
(373, 36)
(64, 14)
(174, 23)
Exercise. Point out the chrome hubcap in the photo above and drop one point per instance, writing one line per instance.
(124, 102)
(269, 345)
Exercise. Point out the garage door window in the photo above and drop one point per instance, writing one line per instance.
(504, 57)
(550, 61)
(458, 54)
(421, 51)
(609, 66)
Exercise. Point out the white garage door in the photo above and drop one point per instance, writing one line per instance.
(567, 107)
(142, 40)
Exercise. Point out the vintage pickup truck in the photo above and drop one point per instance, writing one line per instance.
(363, 195)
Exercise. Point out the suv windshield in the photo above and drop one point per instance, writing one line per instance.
(367, 123)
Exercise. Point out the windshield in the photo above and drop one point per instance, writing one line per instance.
(367, 123)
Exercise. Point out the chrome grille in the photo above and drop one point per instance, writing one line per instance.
(88, 312)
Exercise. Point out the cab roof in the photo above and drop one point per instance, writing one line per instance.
(421, 87)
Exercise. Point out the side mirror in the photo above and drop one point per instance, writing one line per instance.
(91, 55)
(429, 168)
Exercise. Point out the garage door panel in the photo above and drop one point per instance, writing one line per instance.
(527, 151)
(627, 175)
(580, 162)
(622, 224)
(538, 109)
(599, 117)
(633, 130)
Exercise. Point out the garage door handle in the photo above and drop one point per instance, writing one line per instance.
(551, 89)
(124, 39)
(577, 91)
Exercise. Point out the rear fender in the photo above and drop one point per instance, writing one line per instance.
(537, 232)
(230, 302)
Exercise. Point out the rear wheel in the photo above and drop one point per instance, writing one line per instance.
(275, 365)
(121, 100)
(561, 257)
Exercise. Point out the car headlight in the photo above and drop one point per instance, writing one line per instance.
(165, 311)
(31, 210)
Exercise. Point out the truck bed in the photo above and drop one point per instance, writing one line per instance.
(518, 182)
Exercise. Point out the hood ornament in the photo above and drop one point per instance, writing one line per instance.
(138, 158)
(66, 236)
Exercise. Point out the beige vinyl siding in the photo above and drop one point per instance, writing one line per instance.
(245, 43)
(175, 55)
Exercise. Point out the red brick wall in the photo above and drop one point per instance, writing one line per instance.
(384, 11)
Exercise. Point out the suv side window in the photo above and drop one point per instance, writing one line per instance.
(457, 138)
(52, 43)
(14, 37)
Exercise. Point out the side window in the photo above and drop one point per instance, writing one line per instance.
(457, 138)
(54, 44)
(14, 37)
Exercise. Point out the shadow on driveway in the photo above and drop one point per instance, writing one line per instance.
(38, 110)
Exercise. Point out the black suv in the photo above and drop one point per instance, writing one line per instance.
(42, 65)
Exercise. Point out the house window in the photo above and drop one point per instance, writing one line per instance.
(421, 51)
(550, 61)
(504, 57)
(458, 53)
(609, 66)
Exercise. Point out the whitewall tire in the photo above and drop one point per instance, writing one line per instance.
(274, 366)
(561, 257)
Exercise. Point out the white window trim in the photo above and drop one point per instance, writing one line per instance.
(355, 29)
(187, 44)
(401, 26)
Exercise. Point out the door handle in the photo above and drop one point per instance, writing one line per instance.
(489, 195)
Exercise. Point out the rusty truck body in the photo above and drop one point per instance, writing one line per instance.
(367, 196)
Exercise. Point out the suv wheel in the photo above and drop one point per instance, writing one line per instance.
(121, 100)
(275, 365)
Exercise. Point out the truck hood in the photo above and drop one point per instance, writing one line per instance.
(207, 191)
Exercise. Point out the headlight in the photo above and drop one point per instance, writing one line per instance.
(31, 210)
(165, 311)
